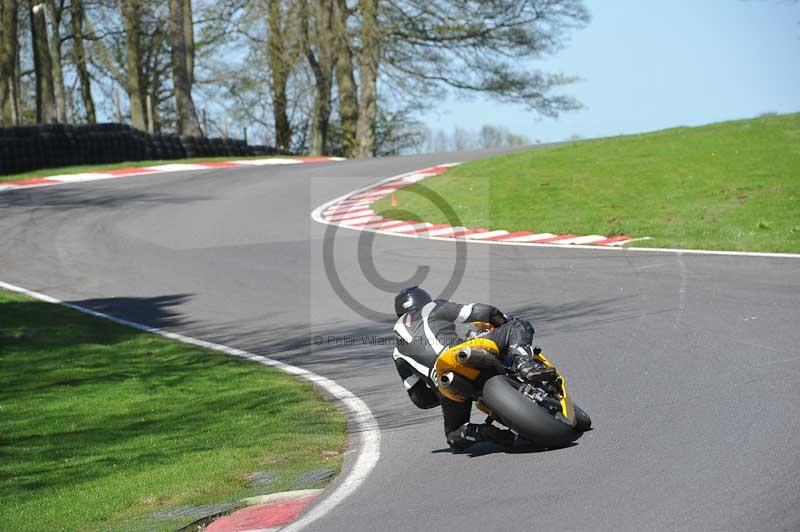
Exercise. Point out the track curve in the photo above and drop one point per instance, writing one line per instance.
(688, 364)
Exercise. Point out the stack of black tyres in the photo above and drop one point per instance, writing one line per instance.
(27, 148)
(217, 146)
(177, 150)
(7, 149)
(24, 148)
(189, 146)
(159, 149)
(231, 148)
(8, 152)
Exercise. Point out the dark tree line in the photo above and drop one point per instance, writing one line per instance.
(329, 76)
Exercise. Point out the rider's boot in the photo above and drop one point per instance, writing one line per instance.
(470, 433)
(503, 437)
(527, 366)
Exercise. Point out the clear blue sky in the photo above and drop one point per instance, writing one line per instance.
(649, 64)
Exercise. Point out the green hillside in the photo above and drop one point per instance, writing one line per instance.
(730, 186)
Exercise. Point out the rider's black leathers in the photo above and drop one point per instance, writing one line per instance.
(422, 335)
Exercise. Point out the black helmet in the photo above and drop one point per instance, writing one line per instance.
(409, 299)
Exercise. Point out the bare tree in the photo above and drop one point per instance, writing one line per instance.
(254, 62)
(396, 132)
(368, 60)
(496, 137)
(425, 46)
(137, 58)
(490, 137)
(188, 38)
(482, 47)
(187, 123)
(43, 66)
(332, 76)
(79, 59)
(462, 139)
(55, 14)
(132, 20)
(440, 141)
(281, 61)
(156, 67)
(8, 60)
(318, 37)
(345, 78)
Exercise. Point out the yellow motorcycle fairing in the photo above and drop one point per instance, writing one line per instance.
(447, 361)
(567, 408)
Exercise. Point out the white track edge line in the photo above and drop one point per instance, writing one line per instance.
(367, 432)
(316, 215)
(156, 169)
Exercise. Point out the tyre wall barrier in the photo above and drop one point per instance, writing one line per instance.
(26, 148)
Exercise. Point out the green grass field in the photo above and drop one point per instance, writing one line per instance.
(46, 172)
(102, 425)
(726, 186)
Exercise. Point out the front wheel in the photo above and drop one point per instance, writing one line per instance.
(584, 422)
(531, 421)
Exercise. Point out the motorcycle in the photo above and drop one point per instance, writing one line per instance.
(542, 412)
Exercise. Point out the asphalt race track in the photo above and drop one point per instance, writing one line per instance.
(688, 364)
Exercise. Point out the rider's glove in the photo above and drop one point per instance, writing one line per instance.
(533, 371)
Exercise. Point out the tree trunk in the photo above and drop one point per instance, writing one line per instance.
(43, 67)
(320, 119)
(345, 79)
(188, 39)
(281, 67)
(155, 68)
(80, 60)
(8, 60)
(16, 84)
(181, 81)
(153, 118)
(322, 66)
(55, 53)
(132, 20)
(368, 66)
(5, 87)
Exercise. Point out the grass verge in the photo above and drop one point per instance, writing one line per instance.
(65, 170)
(101, 426)
(726, 186)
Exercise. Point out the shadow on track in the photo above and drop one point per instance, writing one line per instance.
(62, 197)
(365, 356)
(367, 346)
(488, 448)
(159, 311)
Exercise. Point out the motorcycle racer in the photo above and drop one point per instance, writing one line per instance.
(425, 328)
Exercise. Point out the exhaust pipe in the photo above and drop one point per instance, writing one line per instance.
(446, 379)
(478, 358)
(464, 355)
(457, 384)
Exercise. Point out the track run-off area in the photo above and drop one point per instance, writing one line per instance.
(688, 363)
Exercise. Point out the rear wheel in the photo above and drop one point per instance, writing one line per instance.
(524, 416)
